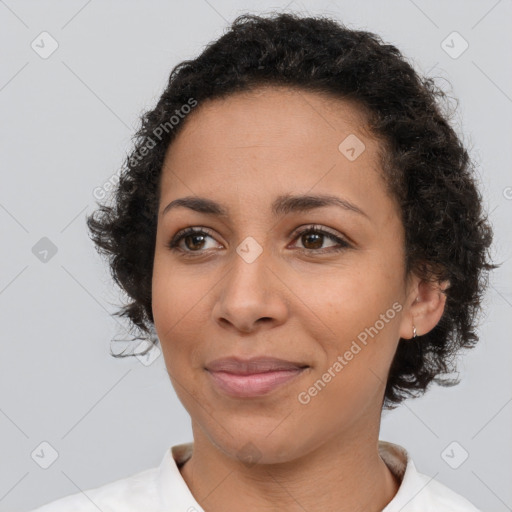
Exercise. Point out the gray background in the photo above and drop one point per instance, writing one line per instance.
(66, 124)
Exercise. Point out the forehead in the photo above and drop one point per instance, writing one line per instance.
(272, 115)
(273, 140)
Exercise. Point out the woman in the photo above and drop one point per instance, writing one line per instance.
(300, 226)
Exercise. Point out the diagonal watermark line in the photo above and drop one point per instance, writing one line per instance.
(206, 1)
(492, 81)
(414, 496)
(321, 177)
(91, 295)
(13, 13)
(378, 378)
(215, 488)
(503, 407)
(101, 510)
(431, 68)
(14, 218)
(12, 280)
(493, 210)
(286, 490)
(104, 395)
(302, 96)
(14, 423)
(129, 128)
(501, 295)
(421, 420)
(279, 424)
(14, 486)
(506, 505)
(425, 14)
(76, 14)
(403, 403)
(14, 76)
(74, 218)
(485, 14)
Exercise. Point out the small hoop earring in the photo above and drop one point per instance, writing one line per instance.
(413, 331)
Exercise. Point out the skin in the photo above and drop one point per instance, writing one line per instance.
(291, 303)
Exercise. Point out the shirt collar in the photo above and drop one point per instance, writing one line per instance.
(174, 492)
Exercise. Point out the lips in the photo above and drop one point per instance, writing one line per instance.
(254, 377)
(254, 365)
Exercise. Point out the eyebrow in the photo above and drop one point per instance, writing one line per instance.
(282, 205)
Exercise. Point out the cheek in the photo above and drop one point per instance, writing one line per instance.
(360, 310)
(355, 299)
(174, 293)
(175, 306)
(177, 312)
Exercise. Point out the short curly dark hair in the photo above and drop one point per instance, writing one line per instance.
(425, 165)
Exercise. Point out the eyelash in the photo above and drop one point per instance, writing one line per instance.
(343, 244)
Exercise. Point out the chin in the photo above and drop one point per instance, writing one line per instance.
(256, 446)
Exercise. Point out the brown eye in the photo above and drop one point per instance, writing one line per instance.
(197, 241)
(193, 239)
(313, 238)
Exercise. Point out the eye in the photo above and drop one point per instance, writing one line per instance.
(313, 238)
(196, 236)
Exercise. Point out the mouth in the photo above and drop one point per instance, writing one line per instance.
(245, 378)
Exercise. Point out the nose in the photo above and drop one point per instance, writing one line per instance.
(251, 296)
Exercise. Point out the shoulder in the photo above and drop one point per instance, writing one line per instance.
(134, 493)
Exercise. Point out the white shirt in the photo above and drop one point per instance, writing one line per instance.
(162, 489)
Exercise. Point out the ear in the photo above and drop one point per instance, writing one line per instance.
(424, 306)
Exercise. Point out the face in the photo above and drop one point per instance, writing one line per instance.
(279, 318)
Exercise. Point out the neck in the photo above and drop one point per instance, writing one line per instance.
(343, 474)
